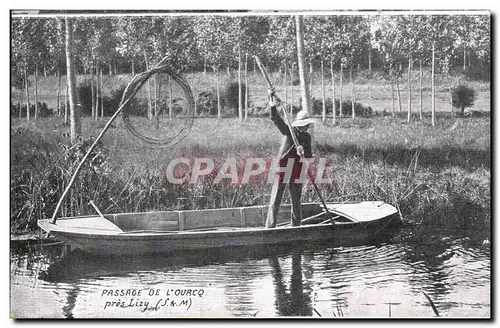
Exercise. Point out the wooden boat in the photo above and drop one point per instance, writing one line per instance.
(159, 232)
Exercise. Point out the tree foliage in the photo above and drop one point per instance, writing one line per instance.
(463, 96)
(189, 40)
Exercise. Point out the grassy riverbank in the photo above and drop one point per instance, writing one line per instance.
(439, 177)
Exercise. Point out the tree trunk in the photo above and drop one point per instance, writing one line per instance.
(92, 92)
(194, 94)
(170, 98)
(392, 98)
(246, 86)
(399, 94)
(353, 95)
(20, 102)
(36, 91)
(75, 111)
(26, 88)
(286, 83)
(217, 91)
(334, 114)
(96, 91)
(205, 66)
(311, 77)
(160, 85)
(109, 67)
(150, 105)
(292, 94)
(169, 105)
(433, 100)
(58, 92)
(66, 104)
(305, 92)
(340, 88)
(155, 95)
(101, 90)
(323, 89)
(150, 100)
(133, 67)
(158, 98)
(240, 93)
(409, 89)
(369, 57)
(465, 61)
(420, 87)
(451, 97)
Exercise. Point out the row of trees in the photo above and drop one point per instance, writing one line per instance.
(127, 44)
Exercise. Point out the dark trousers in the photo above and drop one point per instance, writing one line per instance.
(275, 202)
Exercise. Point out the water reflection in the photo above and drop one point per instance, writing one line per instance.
(293, 302)
(294, 280)
(71, 300)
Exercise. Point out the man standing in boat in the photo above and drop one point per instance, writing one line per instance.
(287, 152)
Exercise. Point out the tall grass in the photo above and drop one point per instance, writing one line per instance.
(439, 178)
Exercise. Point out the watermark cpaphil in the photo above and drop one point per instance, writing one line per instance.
(245, 170)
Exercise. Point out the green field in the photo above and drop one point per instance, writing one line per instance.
(438, 177)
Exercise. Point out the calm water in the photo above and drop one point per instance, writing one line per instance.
(381, 280)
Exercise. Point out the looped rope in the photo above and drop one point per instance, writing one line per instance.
(130, 91)
(136, 84)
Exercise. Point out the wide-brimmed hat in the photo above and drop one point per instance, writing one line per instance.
(303, 118)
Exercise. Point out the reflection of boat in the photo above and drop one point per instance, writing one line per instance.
(156, 232)
(77, 264)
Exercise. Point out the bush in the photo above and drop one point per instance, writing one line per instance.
(232, 96)
(317, 106)
(136, 107)
(462, 96)
(14, 109)
(84, 96)
(207, 103)
(43, 110)
(478, 73)
(360, 109)
(164, 105)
